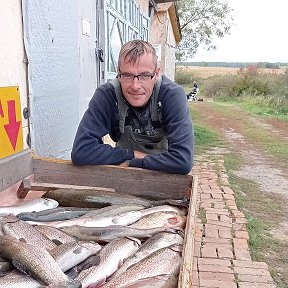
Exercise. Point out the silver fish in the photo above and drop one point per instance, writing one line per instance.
(161, 208)
(19, 280)
(161, 281)
(156, 242)
(107, 234)
(112, 215)
(33, 260)
(158, 219)
(70, 254)
(54, 234)
(54, 214)
(109, 258)
(164, 261)
(38, 204)
(99, 198)
(21, 230)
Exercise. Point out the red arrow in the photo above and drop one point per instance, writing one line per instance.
(1, 110)
(12, 128)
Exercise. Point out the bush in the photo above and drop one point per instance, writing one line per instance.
(183, 78)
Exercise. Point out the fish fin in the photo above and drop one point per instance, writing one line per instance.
(78, 250)
(20, 267)
(22, 240)
(57, 242)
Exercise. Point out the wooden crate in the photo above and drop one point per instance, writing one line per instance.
(134, 181)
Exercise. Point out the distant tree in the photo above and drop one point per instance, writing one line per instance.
(200, 22)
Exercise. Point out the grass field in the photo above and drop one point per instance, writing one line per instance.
(206, 72)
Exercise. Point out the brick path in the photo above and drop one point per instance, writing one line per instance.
(221, 255)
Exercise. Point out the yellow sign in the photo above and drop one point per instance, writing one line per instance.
(11, 135)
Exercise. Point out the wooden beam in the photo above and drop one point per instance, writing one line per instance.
(134, 181)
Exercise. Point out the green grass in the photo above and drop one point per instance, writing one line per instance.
(204, 138)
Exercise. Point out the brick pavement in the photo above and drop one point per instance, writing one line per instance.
(221, 254)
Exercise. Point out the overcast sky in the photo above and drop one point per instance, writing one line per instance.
(259, 34)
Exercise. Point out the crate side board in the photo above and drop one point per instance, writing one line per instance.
(185, 276)
(134, 181)
(14, 168)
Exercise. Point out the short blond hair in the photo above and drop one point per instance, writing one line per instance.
(131, 51)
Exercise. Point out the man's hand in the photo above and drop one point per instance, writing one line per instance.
(139, 155)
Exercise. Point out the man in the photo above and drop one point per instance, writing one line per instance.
(145, 114)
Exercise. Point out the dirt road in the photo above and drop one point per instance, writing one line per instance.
(259, 142)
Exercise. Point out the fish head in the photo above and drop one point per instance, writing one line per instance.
(50, 203)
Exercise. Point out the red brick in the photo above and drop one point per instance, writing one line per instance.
(219, 223)
(242, 235)
(212, 217)
(211, 232)
(225, 253)
(220, 262)
(218, 211)
(208, 252)
(254, 285)
(249, 271)
(215, 268)
(239, 227)
(227, 277)
(217, 284)
(225, 218)
(256, 278)
(225, 233)
(227, 190)
(216, 240)
(242, 254)
(250, 264)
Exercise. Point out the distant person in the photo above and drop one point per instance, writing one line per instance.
(195, 87)
(144, 113)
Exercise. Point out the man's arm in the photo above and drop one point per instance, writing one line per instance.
(179, 131)
(98, 120)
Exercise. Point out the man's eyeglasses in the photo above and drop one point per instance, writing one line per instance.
(142, 78)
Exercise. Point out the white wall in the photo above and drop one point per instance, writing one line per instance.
(12, 65)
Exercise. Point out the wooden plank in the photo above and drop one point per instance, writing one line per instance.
(51, 186)
(14, 168)
(134, 181)
(185, 276)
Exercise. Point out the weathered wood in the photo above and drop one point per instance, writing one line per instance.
(134, 181)
(185, 276)
(14, 168)
(26, 186)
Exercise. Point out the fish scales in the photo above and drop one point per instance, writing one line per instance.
(156, 242)
(169, 257)
(21, 230)
(107, 234)
(100, 198)
(33, 260)
(70, 254)
(109, 258)
(158, 219)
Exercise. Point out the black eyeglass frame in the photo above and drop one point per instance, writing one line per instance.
(120, 75)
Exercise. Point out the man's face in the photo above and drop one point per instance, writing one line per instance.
(138, 92)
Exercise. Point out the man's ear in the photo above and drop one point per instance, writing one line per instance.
(157, 73)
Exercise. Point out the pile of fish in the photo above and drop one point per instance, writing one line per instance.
(85, 238)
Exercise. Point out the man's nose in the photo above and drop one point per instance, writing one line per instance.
(136, 83)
